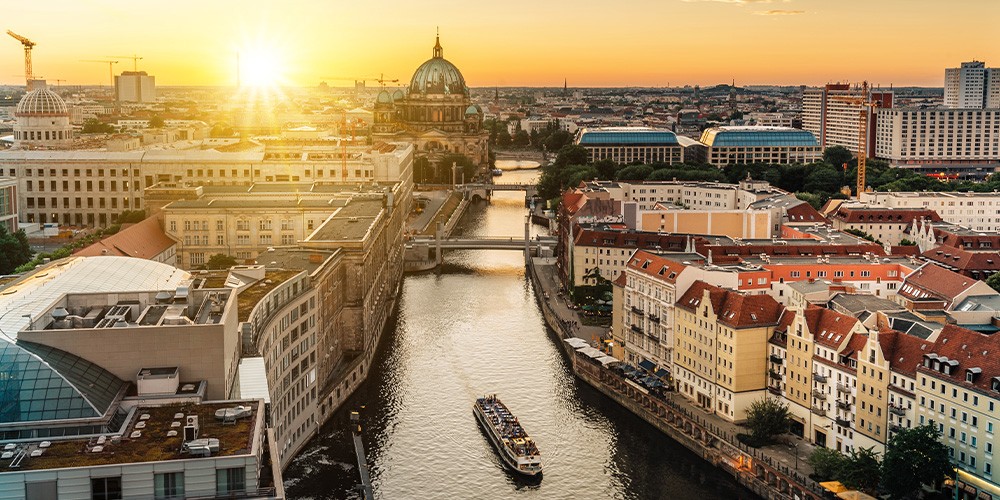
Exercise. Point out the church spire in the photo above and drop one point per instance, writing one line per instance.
(438, 52)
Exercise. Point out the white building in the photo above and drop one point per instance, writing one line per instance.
(972, 86)
(976, 211)
(760, 144)
(135, 86)
(940, 139)
(42, 119)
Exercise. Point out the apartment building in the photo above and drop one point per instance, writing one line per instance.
(975, 211)
(720, 348)
(972, 86)
(652, 285)
(834, 120)
(889, 226)
(963, 141)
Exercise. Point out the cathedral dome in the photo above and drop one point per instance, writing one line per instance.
(383, 98)
(41, 102)
(397, 96)
(438, 76)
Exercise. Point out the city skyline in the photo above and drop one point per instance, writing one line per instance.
(655, 44)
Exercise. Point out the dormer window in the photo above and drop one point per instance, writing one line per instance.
(995, 384)
(972, 374)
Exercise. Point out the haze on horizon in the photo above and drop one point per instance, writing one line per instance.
(592, 43)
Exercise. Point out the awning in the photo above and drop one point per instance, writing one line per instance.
(253, 379)
(647, 365)
(662, 373)
(577, 343)
(607, 360)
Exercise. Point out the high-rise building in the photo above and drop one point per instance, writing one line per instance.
(135, 86)
(961, 141)
(828, 113)
(972, 86)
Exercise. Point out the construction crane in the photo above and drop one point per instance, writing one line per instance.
(111, 68)
(382, 80)
(135, 60)
(865, 102)
(28, 45)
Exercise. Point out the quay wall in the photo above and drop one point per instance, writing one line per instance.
(751, 468)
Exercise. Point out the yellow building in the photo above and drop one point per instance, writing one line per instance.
(731, 223)
(721, 346)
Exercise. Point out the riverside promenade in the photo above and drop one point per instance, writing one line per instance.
(778, 471)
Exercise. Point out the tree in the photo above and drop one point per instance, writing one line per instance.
(571, 155)
(994, 281)
(836, 156)
(155, 122)
(634, 173)
(823, 179)
(861, 470)
(521, 139)
(767, 418)
(220, 261)
(826, 463)
(907, 243)
(14, 250)
(913, 457)
(95, 126)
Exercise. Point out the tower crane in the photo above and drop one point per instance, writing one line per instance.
(28, 45)
(111, 69)
(382, 80)
(865, 102)
(135, 60)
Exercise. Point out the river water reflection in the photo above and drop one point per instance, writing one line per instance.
(472, 329)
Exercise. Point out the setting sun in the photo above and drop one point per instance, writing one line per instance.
(260, 67)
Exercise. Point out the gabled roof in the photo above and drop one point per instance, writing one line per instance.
(144, 240)
(971, 350)
(932, 281)
(733, 308)
(828, 327)
(903, 352)
(656, 266)
(883, 215)
(962, 259)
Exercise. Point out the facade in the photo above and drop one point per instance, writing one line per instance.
(435, 113)
(652, 285)
(90, 188)
(8, 204)
(972, 86)
(834, 121)
(625, 145)
(42, 119)
(720, 348)
(959, 140)
(728, 223)
(135, 86)
(974, 211)
(887, 225)
(760, 144)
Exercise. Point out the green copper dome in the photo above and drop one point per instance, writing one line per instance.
(438, 76)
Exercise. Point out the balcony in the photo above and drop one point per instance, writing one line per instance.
(819, 378)
(843, 405)
(843, 388)
(654, 318)
(819, 393)
(773, 374)
(819, 411)
(774, 390)
(895, 427)
(843, 422)
(777, 359)
(636, 329)
(897, 410)
(636, 310)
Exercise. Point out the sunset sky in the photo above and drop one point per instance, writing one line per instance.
(508, 43)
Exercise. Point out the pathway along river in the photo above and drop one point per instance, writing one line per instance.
(475, 329)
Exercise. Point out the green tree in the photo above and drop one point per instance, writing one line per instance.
(131, 217)
(521, 139)
(571, 155)
(913, 457)
(907, 243)
(95, 126)
(767, 418)
(994, 281)
(826, 463)
(606, 169)
(823, 179)
(155, 121)
(634, 173)
(503, 137)
(14, 250)
(222, 130)
(557, 140)
(220, 261)
(861, 470)
(836, 156)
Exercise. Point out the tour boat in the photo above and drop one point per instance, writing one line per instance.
(516, 449)
(496, 172)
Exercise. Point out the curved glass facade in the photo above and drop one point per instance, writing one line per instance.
(723, 137)
(628, 137)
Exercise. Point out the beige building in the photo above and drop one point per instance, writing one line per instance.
(730, 223)
(730, 145)
(830, 115)
(720, 348)
(976, 211)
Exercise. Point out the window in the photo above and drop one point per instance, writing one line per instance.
(106, 488)
(229, 481)
(168, 485)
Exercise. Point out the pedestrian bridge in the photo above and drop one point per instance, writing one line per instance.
(485, 243)
(482, 189)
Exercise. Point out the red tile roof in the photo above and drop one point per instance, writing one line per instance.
(621, 280)
(965, 260)
(144, 240)
(804, 212)
(733, 308)
(903, 352)
(932, 281)
(886, 215)
(627, 239)
(828, 327)
(656, 266)
(971, 350)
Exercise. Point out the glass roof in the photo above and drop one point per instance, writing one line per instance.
(757, 136)
(42, 383)
(633, 137)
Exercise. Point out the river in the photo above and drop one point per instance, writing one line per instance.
(473, 329)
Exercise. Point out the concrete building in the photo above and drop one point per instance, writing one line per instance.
(90, 188)
(760, 144)
(975, 211)
(835, 121)
(728, 223)
(720, 348)
(963, 141)
(135, 86)
(972, 86)
(625, 145)
(887, 225)
(42, 119)
(8, 204)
